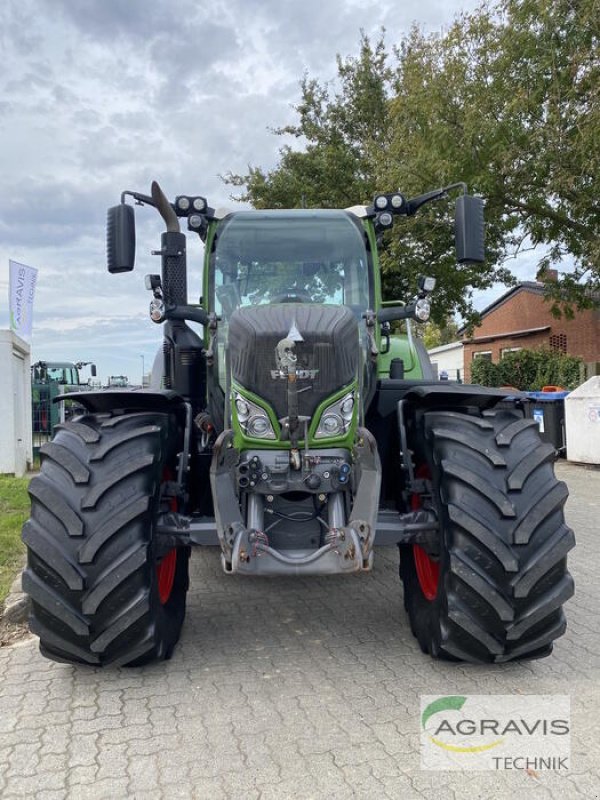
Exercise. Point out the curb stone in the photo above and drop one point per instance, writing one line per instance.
(17, 604)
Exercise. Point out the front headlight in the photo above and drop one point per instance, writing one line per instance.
(254, 420)
(336, 418)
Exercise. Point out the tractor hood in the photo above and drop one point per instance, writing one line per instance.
(321, 340)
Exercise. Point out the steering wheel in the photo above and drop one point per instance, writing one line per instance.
(293, 296)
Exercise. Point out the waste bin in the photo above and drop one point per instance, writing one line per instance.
(582, 422)
(548, 410)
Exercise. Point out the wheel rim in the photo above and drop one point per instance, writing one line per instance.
(165, 573)
(167, 566)
(428, 570)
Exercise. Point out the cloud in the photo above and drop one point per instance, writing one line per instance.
(97, 97)
(135, 20)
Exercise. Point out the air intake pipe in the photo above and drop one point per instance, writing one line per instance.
(185, 364)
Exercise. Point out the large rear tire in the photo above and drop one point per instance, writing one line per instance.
(493, 590)
(103, 591)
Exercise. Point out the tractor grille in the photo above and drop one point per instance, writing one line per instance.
(328, 353)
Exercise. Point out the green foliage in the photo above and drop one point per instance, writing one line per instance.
(437, 335)
(14, 510)
(484, 372)
(520, 369)
(529, 370)
(507, 99)
(345, 133)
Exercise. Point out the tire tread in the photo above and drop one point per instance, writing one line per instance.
(503, 579)
(91, 571)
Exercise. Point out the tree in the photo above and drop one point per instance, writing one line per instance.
(437, 335)
(346, 160)
(506, 100)
(509, 100)
(345, 133)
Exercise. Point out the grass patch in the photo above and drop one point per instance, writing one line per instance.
(14, 510)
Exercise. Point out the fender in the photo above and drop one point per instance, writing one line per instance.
(125, 400)
(397, 407)
(435, 394)
(129, 401)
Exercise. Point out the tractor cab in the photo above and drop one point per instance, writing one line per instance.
(63, 374)
(291, 281)
(270, 257)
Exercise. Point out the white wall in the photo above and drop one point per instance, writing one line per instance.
(16, 451)
(448, 357)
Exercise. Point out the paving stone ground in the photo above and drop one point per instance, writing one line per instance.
(291, 688)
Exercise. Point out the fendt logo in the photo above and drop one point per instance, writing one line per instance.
(479, 732)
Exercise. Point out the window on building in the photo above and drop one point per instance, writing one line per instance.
(487, 354)
(506, 350)
(558, 342)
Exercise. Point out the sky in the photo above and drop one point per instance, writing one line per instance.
(99, 96)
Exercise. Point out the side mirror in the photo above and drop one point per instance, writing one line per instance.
(120, 238)
(469, 230)
(93, 370)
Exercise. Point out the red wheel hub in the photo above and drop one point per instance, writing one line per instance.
(428, 570)
(167, 566)
(165, 572)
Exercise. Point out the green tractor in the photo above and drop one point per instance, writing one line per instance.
(48, 380)
(297, 433)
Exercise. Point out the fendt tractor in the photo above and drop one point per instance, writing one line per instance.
(297, 432)
(49, 379)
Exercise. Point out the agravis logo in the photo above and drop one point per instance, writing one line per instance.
(453, 703)
(495, 732)
(22, 282)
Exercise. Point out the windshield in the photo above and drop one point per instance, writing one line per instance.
(63, 375)
(282, 256)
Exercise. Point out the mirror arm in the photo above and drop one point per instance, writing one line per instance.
(415, 203)
(186, 312)
(396, 313)
(158, 201)
(140, 199)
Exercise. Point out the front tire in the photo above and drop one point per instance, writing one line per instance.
(103, 590)
(493, 590)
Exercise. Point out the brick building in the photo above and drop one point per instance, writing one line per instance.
(521, 318)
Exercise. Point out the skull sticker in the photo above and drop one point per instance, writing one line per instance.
(285, 354)
(286, 359)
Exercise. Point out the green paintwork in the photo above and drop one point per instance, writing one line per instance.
(371, 236)
(338, 441)
(208, 245)
(243, 442)
(400, 348)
